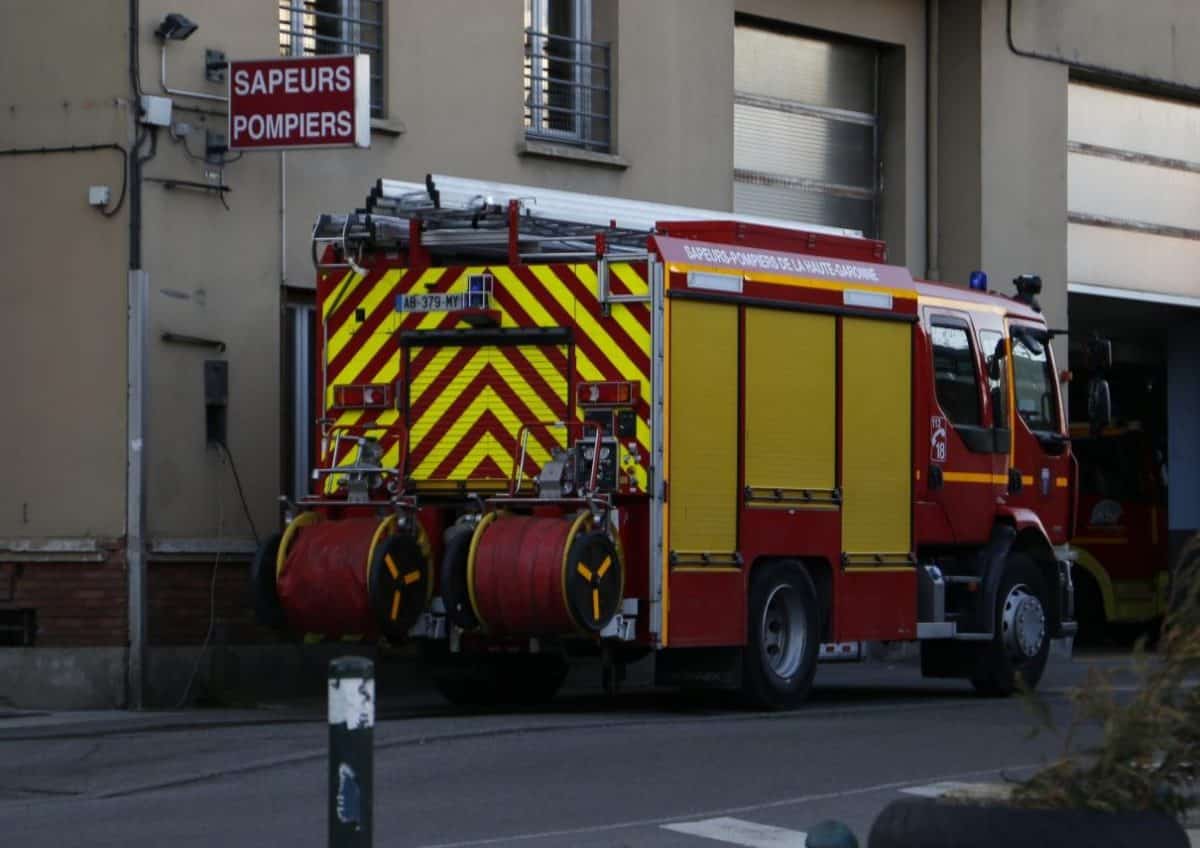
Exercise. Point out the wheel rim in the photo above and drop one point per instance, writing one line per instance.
(1023, 623)
(784, 633)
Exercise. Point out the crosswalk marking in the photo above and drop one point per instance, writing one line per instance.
(741, 832)
(964, 790)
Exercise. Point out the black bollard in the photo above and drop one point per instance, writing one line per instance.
(351, 752)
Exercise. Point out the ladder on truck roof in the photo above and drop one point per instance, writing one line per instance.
(454, 217)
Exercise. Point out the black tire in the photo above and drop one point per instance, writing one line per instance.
(481, 681)
(456, 594)
(998, 664)
(1089, 610)
(263, 593)
(783, 639)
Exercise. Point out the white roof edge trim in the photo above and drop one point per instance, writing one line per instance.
(1133, 294)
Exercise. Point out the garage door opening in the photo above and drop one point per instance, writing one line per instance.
(1138, 478)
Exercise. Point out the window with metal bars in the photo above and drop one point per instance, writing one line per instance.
(336, 27)
(567, 75)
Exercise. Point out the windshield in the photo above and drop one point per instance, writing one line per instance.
(1037, 400)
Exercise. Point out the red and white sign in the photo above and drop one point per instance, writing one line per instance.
(938, 438)
(300, 101)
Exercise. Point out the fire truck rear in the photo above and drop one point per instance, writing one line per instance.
(554, 425)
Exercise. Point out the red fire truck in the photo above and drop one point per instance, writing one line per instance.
(554, 424)
(1122, 573)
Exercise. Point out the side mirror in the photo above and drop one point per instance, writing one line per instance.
(1099, 405)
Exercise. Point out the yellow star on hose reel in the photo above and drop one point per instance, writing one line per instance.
(586, 574)
(398, 583)
(409, 579)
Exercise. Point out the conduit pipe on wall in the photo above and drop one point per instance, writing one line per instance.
(933, 270)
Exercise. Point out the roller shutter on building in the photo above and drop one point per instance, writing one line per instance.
(1133, 173)
(805, 129)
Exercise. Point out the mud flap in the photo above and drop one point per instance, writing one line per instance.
(699, 668)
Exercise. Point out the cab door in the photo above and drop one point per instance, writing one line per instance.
(961, 479)
(1040, 457)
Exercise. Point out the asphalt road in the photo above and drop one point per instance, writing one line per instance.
(644, 769)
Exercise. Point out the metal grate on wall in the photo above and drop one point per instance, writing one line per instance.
(806, 129)
(336, 27)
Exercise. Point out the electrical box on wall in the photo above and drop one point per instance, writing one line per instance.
(216, 400)
(156, 111)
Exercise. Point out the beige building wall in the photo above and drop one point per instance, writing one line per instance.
(454, 105)
(63, 283)
(1153, 39)
(214, 274)
(1002, 184)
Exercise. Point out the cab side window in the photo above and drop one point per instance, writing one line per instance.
(955, 372)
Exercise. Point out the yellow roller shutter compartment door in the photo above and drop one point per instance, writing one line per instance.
(791, 397)
(703, 411)
(876, 436)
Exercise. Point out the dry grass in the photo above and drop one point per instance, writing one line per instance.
(1149, 751)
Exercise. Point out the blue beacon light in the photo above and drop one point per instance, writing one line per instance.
(978, 281)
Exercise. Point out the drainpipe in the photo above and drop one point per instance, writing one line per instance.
(282, 218)
(933, 270)
(135, 468)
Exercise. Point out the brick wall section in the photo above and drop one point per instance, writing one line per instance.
(178, 603)
(77, 603)
(85, 603)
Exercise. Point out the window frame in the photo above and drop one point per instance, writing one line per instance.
(351, 24)
(950, 321)
(537, 83)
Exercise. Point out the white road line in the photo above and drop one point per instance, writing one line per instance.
(980, 791)
(741, 832)
(937, 790)
(747, 808)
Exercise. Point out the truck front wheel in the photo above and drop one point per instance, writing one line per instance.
(1020, 644)
(780, 658)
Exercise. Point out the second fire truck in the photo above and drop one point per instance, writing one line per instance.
(554, 424)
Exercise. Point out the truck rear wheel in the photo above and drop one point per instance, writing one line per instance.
(263, 593)
(1021, 642)
(780, 657)
(1089, 609)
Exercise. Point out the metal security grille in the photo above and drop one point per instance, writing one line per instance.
(567, 76)
(336, 27)
(806, 140)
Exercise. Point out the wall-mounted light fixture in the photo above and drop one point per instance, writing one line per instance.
(175, 27)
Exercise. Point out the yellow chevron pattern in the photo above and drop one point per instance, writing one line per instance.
(361, 329)
(468, 420)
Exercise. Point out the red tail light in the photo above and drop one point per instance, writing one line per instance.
(363, 396)
(611, 393)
